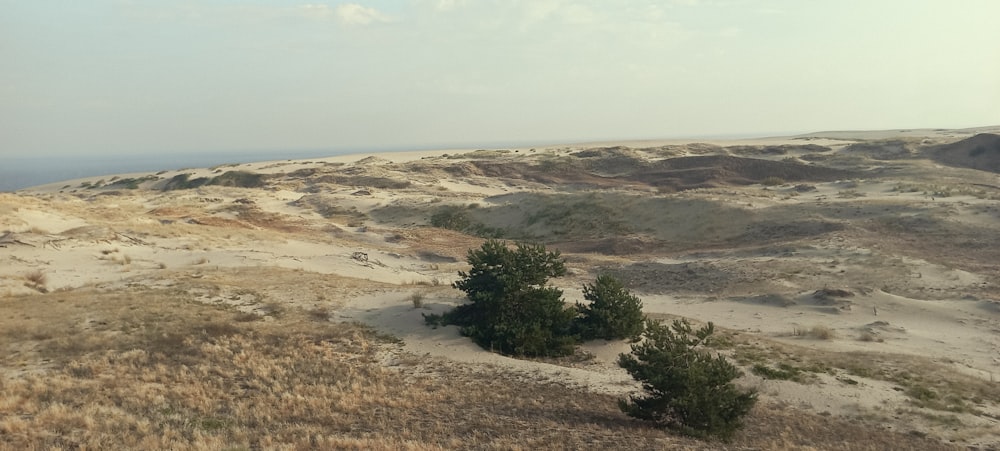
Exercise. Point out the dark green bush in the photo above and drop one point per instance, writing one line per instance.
(132, 183)
(453, 217)
(239, 179)
(511, 311)
(687, 389)
(183, 181)
(784, 372)
(613, 312)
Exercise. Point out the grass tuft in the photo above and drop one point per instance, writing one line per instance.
(417, 299)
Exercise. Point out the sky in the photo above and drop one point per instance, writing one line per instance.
(142, 77)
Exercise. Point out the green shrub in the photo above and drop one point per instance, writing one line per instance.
(613, 312)
(784, 372)
(453, 217)
(511, 311)
(687, 389)
(183, 181)
(132, 183)
(240, 179)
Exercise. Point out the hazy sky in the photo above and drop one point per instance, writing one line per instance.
(142, 76)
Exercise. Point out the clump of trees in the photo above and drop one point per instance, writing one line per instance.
(513, 311)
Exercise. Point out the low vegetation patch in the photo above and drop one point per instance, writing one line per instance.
(929, 385)
(481, 154)
(36, 280)
(152, 369)
(773, 181)
(184, 181)
(457, 218)
(240, 179)
(818, 332)
(132, 183)
(782, 371)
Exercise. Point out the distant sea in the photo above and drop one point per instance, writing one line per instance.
(25, 172)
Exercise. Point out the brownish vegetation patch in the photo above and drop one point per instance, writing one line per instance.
(147, 369)
(215, 221)
(255, 216)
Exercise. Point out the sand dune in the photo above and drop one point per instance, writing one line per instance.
(855, 257)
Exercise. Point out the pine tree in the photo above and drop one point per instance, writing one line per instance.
(511, 310)
(687, 389)
(613, 312)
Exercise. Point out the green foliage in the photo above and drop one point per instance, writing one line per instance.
(453, 217)
(480, 154)
(511, 311)
(183, 181)
(132, 183)
(613, 312)
(241, 179)
(784, 372)
(687, 389)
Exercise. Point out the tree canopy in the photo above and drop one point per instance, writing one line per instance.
(512, 310)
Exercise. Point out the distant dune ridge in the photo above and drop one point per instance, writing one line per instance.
(851, 275)
(978, 152)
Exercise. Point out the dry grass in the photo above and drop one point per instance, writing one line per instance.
(929, 384)
(818, 332)
(821, 332)
(869, 336)
(417, 299)
(319, 314)
(36, 279)
(150, 370)
(773, 181)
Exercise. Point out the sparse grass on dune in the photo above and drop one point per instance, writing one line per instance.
(36, 279)
(149, 369)
(929, 384)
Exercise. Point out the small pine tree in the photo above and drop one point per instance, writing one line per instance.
(613, 312)
(687, 389)
(511, 311)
